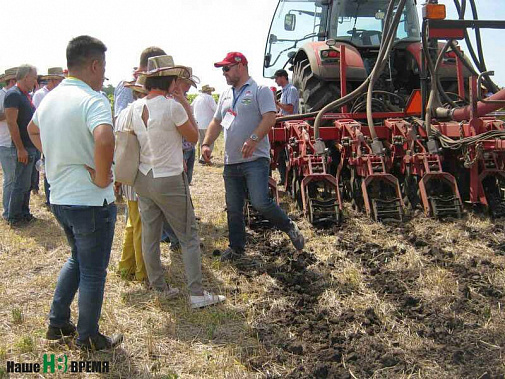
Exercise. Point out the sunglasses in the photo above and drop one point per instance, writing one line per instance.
(227, 68)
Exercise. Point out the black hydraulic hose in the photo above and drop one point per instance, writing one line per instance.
(431, 68)
(376, 73)
(433, 93)
(463, 7)
(461, 57)
(461, 12)
(478, 61)
(427, 55)
(478, 38)
(482, 67)
(444, 94)
(429, 60)
(358, 107)
(388, 93)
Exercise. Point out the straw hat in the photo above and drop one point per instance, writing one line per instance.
(138, 85)
(189, 77)
(53, 73)
(163, 65)
(207, 88)
(10, 73)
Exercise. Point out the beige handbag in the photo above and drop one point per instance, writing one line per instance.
(127, 153)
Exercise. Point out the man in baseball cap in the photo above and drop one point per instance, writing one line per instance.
(232, 58)
(246, 113)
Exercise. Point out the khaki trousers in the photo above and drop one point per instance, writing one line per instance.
(168, 198)
(132, 260)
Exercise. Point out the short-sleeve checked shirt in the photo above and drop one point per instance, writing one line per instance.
(290, 96)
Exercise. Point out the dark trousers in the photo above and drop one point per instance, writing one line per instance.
(89, 231)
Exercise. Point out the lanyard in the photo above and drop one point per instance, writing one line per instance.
(235, 99)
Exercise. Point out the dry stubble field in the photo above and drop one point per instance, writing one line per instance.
(420, 300)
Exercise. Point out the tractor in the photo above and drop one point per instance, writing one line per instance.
(392, 115)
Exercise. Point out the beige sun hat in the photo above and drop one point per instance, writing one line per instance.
(207, 88)
(53, 73)
(163, 65)
(138, 85)
(190, 78)
(10, 73)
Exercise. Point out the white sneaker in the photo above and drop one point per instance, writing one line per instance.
(206, 300)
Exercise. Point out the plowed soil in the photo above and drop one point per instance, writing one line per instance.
(451, 328)
(363, 300)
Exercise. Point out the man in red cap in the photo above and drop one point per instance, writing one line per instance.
(246, 112)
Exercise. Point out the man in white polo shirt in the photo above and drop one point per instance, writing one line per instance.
(73, 128)
(204, 107)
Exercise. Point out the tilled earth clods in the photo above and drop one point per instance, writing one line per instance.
(406, 301)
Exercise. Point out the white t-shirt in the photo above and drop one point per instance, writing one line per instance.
(204, 107)
(39, 95)
(5, 136)
(160, 142)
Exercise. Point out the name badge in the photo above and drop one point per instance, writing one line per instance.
(228, 119)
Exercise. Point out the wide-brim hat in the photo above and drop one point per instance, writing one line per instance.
(207, 88)
(10, 73)
(163, 65)
(138, 85)
(190, 78)
(53, 73)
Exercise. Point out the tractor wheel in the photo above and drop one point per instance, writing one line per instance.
(314, 92)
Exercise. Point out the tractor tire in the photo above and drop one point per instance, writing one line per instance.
(314, 92)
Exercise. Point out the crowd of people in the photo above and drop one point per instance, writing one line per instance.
(67, 127)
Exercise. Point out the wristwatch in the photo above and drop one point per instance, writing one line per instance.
(254, 137)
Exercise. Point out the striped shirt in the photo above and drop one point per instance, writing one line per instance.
(120, 124)
(122, 97)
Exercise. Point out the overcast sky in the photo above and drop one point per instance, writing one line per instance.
(195, 32)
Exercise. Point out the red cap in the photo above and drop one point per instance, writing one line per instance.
(232, 58)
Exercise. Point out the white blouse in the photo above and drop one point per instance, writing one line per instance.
(160, 141)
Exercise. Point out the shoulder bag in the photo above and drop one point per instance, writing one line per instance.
(127, 153)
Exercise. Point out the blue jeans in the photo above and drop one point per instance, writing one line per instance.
(8, 162)
(19, 205)
(35, 173)
(168, 235)
(189, 158)
(281, 161)
(251, 178)
(47, 190)
(89, 232)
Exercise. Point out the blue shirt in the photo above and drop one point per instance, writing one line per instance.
(251, 103)
(66, 119)
(290, 96)
(122, 97)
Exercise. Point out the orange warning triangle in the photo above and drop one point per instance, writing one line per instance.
(414, 104)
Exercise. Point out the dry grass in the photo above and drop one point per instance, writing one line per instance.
(166, 339)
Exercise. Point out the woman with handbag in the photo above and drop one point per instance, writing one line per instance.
(160, 123)
(131, 265)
